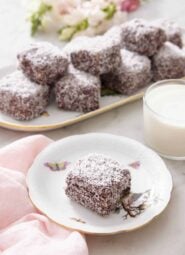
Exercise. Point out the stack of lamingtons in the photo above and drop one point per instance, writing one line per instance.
(124, 59)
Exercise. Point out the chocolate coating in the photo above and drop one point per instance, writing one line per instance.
(78, 91)
(21, 98)
(134, 73)
(94, 55)
(43, 63)
(98, 183)
(168, 63)
(172, 30)
(141, 36)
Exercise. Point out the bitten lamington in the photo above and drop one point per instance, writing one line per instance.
(168, 63)
(143, 37)
(98, 182)
(134, 73)
(94, 55)
(78, 91)
(21, 98)
(43, 63)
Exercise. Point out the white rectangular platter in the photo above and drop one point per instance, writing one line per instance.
(55, 118)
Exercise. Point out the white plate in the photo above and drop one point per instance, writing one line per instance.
(47, 187)
(56, 118)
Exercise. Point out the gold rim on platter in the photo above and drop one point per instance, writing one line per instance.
(36, 128)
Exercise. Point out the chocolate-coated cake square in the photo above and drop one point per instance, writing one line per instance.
(21, 98)
(43, 62)
(95, 55)
(174, 33)
(78, 91)
(98, 182)
(133, 73)
(168, 63)
(142, 36)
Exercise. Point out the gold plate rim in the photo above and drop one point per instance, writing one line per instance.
(156, 215)
(105, 233)
(37, 128)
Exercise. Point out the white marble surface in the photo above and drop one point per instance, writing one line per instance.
(164, 235)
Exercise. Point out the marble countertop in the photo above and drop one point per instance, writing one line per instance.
(165, 235)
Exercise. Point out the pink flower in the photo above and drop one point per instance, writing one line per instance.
(65, 7)
(130, 5)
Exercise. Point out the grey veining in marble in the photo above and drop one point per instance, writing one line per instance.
(166, 234)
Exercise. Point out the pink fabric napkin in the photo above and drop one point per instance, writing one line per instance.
(23, 230)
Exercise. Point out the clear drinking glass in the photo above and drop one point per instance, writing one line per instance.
(164, 118)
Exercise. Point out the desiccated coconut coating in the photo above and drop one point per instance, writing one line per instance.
(78, 91)
(172, 30)
(95, 55)
(98, 183)
(143, 37)
(134, 73)
(21, 98)
(168, 63)
(114, 34)
(43, 63)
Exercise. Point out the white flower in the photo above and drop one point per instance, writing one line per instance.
(90, 31)
(95, 17)
(68, 15)
(76, 16)
(103, 27)
(100, 3)
(33, 6)
(119, 18)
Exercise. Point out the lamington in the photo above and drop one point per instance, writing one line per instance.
(168, 63)
(115, 34)
(43, 63)
(172, 30)
(21, 98)
(78, 91)
(143, 37)
(94, 55)
(133, 73)
(98, 182)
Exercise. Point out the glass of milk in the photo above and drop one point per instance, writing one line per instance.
(164, 118)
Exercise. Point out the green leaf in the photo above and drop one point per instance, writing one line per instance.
(83, 25)
(110, 10)
(37, 17)
(108, 92)
(66, 33)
